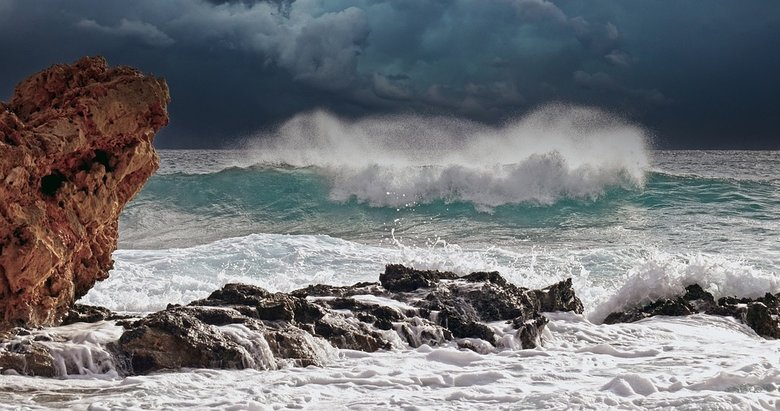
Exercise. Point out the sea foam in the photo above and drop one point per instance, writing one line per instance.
(552, 153)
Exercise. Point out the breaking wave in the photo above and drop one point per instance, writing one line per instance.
(554, 153)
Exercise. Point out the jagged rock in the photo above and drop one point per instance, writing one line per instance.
(260, 304)
(557, 297)
(75, 146)
(352, 335)
(321, 290)
(398, 278)
(761, 314)
(236, 294)
(243, 326)
(763, 319)
(177, 338)
(466, 304)
(693, 301)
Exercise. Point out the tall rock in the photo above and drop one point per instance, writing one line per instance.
(75, 146)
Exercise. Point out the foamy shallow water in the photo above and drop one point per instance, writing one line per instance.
(697, 362)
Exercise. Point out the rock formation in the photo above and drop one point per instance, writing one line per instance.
(242, 326)
(75, 146)
(761, 314)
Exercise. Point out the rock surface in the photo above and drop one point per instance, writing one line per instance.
(243, 326)
(761, 314)
(75, 146)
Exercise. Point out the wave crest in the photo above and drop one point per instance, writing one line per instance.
(552, 153)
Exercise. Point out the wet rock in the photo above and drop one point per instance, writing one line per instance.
(75, 146)
(665, 306)
(243, 326)
(465, 304)
(693, 301)
(82, 313)
(353, 335)
(763, 319)
(258, 303)
(529, 332)
(177, 338)
(27, 357)
(323, 290)
(557, 297)
(761, 314)
(398, 278)
(235, 294)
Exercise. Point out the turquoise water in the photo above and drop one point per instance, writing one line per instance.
(714, 202)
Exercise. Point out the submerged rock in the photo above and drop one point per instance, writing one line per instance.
(761, 314)
(75, 146)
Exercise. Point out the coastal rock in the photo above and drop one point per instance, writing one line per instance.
(82, 313)
(398, 278)
(75, 146)
(557, 297)
(243, 326)
(27, 357)
(761, 314)
(177, 338)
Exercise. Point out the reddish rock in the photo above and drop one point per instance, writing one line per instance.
(75, 146)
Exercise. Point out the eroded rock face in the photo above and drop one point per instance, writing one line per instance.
(761, 314)
(75, 146)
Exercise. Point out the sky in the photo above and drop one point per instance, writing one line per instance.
(696, 74)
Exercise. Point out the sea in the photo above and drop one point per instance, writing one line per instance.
(564, 192)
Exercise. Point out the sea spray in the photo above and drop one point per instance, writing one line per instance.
(553, 153)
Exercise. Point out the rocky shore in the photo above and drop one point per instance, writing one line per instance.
(243, 326)
(761, 314)
(76, 145)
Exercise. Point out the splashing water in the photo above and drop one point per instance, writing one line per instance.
(553, 153)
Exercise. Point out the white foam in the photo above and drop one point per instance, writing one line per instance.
(147, 280)
(702, 362)
(555, 152)
(664, 275)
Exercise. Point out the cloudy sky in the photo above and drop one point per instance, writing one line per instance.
(698, 74)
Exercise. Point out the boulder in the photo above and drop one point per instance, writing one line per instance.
(27, 357)
(75, 146)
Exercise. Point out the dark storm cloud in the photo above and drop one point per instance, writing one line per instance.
(699, 74)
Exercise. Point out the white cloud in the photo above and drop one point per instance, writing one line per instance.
(619, 58)
(146, 32)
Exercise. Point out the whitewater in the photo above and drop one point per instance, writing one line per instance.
(562, 192)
